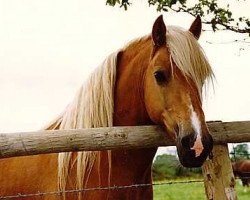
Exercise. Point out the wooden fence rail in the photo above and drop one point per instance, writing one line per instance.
(41, 142)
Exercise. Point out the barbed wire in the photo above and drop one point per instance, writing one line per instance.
(234, 153)
(240, 154)
(58, 193)
(243, 44)
(245, 41)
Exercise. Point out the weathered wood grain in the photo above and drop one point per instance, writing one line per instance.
(218, 175)
(41, 142)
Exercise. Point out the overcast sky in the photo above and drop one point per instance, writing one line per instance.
(48, 47)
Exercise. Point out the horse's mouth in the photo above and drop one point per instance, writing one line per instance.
(191, 157)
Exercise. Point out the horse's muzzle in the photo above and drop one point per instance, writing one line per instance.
(188, 156)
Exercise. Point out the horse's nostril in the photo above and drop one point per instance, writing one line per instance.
(187, 141)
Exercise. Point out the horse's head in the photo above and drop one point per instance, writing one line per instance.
(172, 90)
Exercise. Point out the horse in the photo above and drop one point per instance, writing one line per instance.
(242, 170)
(156, 79)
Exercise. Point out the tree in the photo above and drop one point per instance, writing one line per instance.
(219, 17)
(240, 152)
(168, 166)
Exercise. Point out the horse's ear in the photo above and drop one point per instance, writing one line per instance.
(159, 32)
(195, 28)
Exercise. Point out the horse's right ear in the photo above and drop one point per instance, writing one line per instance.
(159, 32)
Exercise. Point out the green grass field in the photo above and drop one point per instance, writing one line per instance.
(191, 191)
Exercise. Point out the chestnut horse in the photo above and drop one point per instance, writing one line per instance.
(156, 79)
(242, 170)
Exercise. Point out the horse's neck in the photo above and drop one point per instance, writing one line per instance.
(130, 110)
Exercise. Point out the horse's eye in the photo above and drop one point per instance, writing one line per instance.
(160, 77)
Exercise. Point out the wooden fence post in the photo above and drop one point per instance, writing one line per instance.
(218, 175)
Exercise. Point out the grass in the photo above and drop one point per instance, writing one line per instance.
(191, 191)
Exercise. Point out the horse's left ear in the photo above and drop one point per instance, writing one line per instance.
(159, 32)
(195, 28)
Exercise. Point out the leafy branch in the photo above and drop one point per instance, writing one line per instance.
(218, 17)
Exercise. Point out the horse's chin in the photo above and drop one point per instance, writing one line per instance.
(188, 157)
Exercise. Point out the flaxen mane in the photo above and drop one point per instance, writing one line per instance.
(93, 104)
(189, 56)
(92, 107)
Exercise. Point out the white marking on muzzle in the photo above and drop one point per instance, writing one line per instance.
(198, 146)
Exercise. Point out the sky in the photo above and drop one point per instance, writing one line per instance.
(48, 48)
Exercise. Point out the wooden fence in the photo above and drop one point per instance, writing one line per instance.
(218, 176)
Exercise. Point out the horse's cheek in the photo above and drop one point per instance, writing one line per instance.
(154, 102)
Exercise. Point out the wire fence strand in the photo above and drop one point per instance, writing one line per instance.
(58, 193)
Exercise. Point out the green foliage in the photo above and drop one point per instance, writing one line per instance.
(123, 4)
(240, 152)
(165, 166)
(211, 11)
(168, 166)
